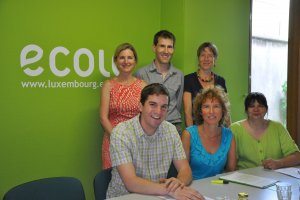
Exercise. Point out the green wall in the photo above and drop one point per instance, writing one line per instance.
(226, 24)
(49, 132)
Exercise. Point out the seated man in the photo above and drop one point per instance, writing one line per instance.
(143, 148)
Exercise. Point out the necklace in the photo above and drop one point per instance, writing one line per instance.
(211, 78)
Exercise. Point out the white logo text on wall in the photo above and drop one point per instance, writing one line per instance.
(62, 71)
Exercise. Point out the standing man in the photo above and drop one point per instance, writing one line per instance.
(162, 71)
(143, 148)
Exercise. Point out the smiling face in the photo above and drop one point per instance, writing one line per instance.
(164, 50)
(125, 61)
(153, 112)
(256, 111)
(206, 59)
(212, 112)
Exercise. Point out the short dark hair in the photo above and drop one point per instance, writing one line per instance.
(164, 34)
(123, 47)
(154, 88)
(255, 96)
(217, 93)
(209, 45)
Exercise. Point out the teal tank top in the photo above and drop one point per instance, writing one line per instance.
(204, 164)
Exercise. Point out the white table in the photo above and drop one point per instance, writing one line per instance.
(231, 190)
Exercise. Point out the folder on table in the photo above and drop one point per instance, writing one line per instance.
(248, 179)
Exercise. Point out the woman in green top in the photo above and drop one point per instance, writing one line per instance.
(260, 141)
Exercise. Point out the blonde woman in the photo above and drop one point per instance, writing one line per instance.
(120, 96)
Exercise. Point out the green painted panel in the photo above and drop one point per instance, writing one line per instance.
(225, 23)
(172, 18)
(56, 131)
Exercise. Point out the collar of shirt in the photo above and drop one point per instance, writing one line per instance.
(171, 69)
(140, 132)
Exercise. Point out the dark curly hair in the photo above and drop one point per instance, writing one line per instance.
(217, 93)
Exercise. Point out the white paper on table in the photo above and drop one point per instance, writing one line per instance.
(170, 198)
(291, 171)
(207, 198)
(249, 179)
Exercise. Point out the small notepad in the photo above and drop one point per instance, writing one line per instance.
(250, 180)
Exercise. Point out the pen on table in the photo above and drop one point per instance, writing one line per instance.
(218, 181)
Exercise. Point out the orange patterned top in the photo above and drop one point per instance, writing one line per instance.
(124, 101)
(123, 105)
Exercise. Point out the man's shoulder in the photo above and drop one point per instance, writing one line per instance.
(176, 70)
(144, 69)
(124, 128)
(165, 124)
(168, 128)
(179, 72)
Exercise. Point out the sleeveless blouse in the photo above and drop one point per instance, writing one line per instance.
(123, 105)
(204, 164)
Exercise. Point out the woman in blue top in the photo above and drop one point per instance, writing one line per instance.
(209, 146)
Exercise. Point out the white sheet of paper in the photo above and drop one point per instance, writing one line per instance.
(291, 171)
(249, 179)
(170, 198)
